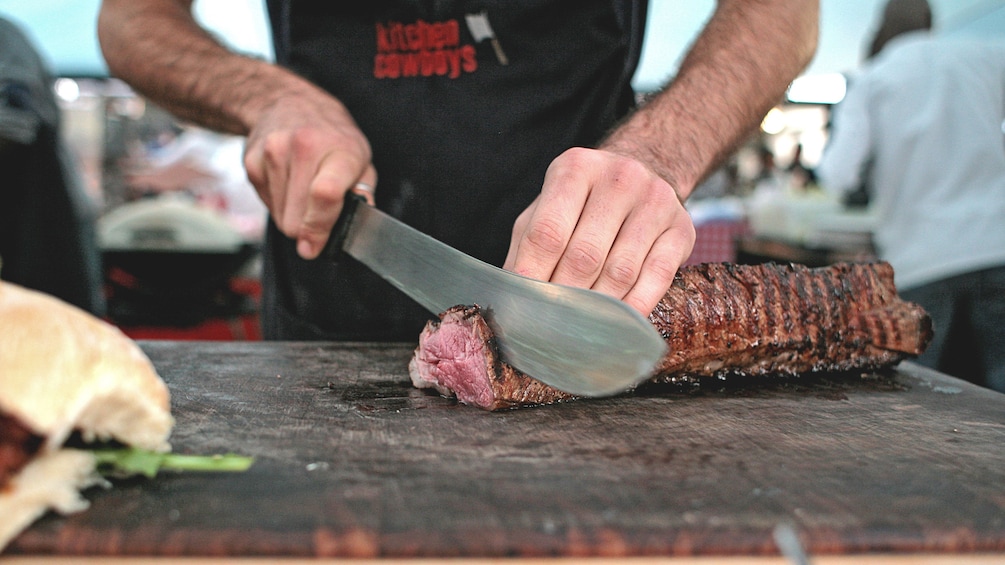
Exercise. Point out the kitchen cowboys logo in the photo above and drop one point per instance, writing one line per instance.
(425, 49)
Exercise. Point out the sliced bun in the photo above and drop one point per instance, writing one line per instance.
(63, 370)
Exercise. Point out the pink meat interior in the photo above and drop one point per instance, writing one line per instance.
(454, 357)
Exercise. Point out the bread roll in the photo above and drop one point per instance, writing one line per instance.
(63, 370)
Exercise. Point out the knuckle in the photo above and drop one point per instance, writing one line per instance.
(630, 176)
(575, 156)
(630, 168)
(639, 305)
(663, 267)
(621, 272)
(303, 141)
(250, 157)
(254, 171)
(324, 189)
(274, 147)
(584, 258)
(572, 164)
(523, 219)
(666, 197)
(688, 231)
(546, 235)
(254, 163)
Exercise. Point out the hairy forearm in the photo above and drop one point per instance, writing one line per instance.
(737, 69)
(156, 46)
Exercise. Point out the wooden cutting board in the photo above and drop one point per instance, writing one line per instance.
(352, 461)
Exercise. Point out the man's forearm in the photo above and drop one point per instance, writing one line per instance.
(156, 46)
(738, 68)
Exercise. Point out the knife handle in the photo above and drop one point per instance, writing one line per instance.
(340, 230)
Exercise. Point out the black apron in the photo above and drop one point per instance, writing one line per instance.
(465, 104)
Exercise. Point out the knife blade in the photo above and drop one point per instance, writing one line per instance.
(577, 340)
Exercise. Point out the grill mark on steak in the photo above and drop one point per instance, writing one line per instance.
(759, 318)
(785, 308)
(719, 320)
(824, 297)
(768, 299)
(17, 446)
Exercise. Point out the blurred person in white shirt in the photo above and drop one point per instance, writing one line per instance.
(923, 128)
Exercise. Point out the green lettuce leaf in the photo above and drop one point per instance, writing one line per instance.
(130, 461)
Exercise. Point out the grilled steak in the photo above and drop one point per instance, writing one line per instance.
(719, 320)
(771, 319)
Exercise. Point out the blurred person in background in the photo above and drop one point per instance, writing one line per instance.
(922, 126)
(47, 221)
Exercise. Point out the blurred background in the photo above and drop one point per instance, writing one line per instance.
(179, 225)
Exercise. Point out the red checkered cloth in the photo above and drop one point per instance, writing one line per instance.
(715, 241)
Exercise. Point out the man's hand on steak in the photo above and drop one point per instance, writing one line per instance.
(302, 155)
(612, 219)
(603, 221)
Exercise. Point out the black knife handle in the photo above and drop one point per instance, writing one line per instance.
(333, 249)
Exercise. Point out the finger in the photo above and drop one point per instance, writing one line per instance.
(366, 186)
(600, 222)
(668, 253)
(542, 241)
(324, 203)
(304, 170)
(518, 229)
(277, 160)
(257, 172)
(644, 224)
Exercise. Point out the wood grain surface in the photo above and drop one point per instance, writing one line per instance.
(351, 461)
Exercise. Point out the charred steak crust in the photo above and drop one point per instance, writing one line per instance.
(719, 319)
(786, 319)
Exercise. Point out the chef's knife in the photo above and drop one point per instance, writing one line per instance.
(576, 340)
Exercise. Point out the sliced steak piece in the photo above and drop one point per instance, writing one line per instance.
(718, 319)
(458, 355)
